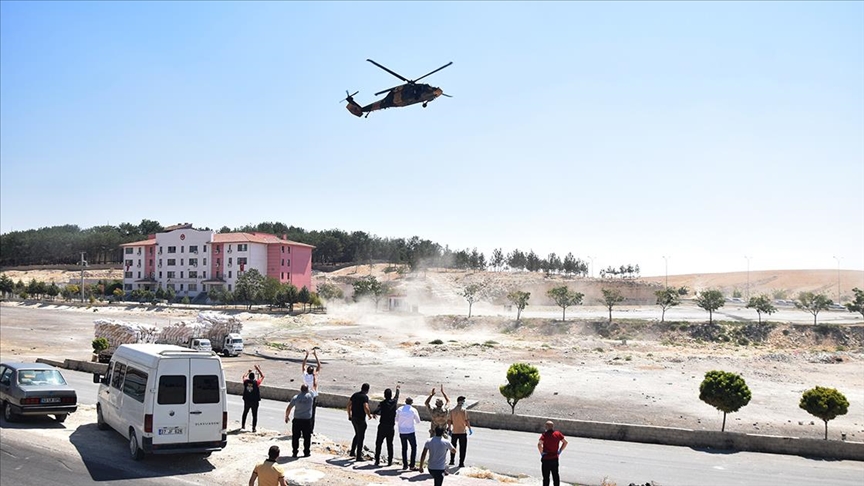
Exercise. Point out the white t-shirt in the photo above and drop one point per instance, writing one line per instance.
(406, 417)
(309, 379)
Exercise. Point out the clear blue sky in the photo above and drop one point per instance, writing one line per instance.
(705, 132)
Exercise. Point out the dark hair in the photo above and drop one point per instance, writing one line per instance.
(365, 387)
(460, 399)
(409, 400)
(439, 431)
(251, 376)
(304, 388)
(388, 393)
(310, 369)
(273, 453)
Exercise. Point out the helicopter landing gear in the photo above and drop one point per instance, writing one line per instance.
(424, 104)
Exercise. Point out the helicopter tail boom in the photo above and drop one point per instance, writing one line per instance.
(352, 106)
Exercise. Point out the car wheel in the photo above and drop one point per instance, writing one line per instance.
(100, 420)
(61, 417)
(135, 451)
(8, 414)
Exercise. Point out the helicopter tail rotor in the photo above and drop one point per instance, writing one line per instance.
(352, 106)
(349, 98)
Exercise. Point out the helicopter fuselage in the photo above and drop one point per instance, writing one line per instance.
(404, 95)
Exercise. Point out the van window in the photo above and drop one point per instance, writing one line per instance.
(107, 379)
(172, 390)
(135, 384)
(205, 389)
(117, 377)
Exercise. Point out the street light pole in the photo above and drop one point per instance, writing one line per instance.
(838, 279)
(748, 277)
(592, 265)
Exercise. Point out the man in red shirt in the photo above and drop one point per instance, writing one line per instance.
(552, 443)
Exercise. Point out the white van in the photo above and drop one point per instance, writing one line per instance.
(164, 399)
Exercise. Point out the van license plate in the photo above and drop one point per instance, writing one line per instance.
(170, 430)
(50, 400)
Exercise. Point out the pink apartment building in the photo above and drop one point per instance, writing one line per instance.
(194, 261)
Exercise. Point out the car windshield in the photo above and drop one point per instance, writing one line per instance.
(40, 377)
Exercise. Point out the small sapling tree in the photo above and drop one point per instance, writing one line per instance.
(611, 298)
(471, 293)
(710, 300)
(825, 403)
(520, 300)
(724, 391)
(813, 303)
(666, 299)
(522, 379)
(565, 297)
(857, 305)
(763, 305)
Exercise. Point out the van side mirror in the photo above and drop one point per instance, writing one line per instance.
(97, 378)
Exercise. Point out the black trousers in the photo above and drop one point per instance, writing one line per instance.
(437, 476)
(406, 440)
(301, 427)
(250, 406)
(384, 433)
(459, 441)
(314, 406)
(359, 437)
(550, 466)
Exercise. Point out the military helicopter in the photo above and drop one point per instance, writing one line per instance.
(402, 95)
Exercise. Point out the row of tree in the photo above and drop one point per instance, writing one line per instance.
(63, 245)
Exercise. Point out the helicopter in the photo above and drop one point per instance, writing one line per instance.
(403, 95)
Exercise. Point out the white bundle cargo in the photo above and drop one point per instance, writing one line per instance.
(119, 332)
(223, 331)
(180, 333)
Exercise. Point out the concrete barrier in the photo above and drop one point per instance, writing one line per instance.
(698, 439)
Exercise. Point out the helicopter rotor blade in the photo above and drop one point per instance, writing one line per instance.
(348, 96)
(389, 71)
(386, 90)
(433, 72)
(445, 94)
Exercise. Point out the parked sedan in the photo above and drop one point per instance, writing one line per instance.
(35, 389)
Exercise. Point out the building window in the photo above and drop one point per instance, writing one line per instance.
(193, 249)
(241, 261)
(218, 262)
(229, 273)
(160, 274)
(229, 287)
(289, 249)
(127, 275)
(283, 248)
(181, 249)
(172, 249)
(181, 273)
(205, 262)
(151, 262)
(193, 287)
(128, 263)
(172, 262)
(139, 274)
(288, 262)
(204, 274)
(171, 274)
(129, 251)
(205, 248)
(151, 250)
(193, 262)
(283, 262)
(242, 247)
(181, 286)
(282, 276)
(230, 261)
(217, 249)
(193, 274)
(181, 262)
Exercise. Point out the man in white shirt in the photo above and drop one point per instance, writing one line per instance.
(310, 378)
(406, 417)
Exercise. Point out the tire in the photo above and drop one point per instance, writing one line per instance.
(61, 417)
(135, 451)
(100, 420)
(8, 414)
(225, 353)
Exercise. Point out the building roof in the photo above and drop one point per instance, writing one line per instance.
(140, 243)
(265, 238)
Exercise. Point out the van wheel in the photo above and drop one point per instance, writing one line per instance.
(135, 451)
(100, 420)
(8, 414)
(61, 417)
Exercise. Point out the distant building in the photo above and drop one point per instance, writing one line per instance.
(193, 261)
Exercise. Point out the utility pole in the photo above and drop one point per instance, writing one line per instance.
(838, 279)
(592, 265)
(83, 264)
(666, 259)
(748, 277)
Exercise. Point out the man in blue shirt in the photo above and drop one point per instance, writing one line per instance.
(438, 448)
(302, 423)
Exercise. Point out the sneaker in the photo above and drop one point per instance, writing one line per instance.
(461, 464)
(307, 454)
(404, 467)
(294, 455)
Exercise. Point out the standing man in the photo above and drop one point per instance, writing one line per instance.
(310, 377)
(302, 424)
(387, 412)
(251, 397)
(437, 448)
(407, 417)
(552, 443)
(268, 472)
(459, 428)
(358, 411)
(440, 414)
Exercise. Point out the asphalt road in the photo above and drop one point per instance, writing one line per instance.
(25, 462)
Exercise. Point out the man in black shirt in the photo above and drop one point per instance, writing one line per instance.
(387, 411)
(358, 410)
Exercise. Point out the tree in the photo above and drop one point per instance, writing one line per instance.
(520, 300)
(522, 379)
(100, 344)
(118, 293)
(710, 300)
(53, 290)
(370, 286)
(288, 295)
(472, 293)
(611, 297)
(303, 296)
(565, 297)
(762, 304)
(7, 286)
(856, 305)
(724, 391)
(270, 291)
(813, 303)
(825, 403)
(249, 286)
(329, 291)
(666, 299)
(497, 261)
